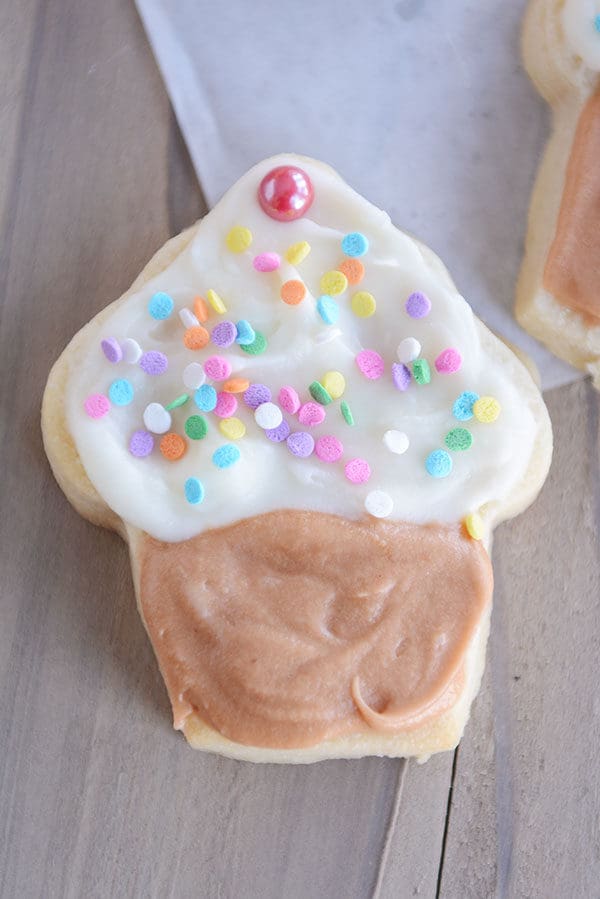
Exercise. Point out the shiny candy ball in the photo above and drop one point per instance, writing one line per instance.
(285, 193)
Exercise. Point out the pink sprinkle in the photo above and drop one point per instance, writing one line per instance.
(329, 448)
(311, 414)
(97, 405)
(266, 262)
(448, 361)
(370, 364)
(226, 405)
(358, 471)
(289, 400)
(217, 368)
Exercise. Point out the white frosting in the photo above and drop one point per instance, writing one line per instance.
(149, 493)
(578, 18)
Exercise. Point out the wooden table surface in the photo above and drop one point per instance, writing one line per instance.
(98, 796)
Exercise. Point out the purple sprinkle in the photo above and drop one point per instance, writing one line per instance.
(279, 434)
(224, 334)
(256, 395)
(141, 444)
(300, 444)
(112, 349)
(418, 305)
(401, 375)
(154, 363)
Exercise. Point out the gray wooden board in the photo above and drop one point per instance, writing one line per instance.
(98, 796)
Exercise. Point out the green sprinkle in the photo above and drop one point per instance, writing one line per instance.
(347, 413)
(459, 439)
(318, 393)
(196, 427)
(421, 371)
(180, 401)
(258, 345)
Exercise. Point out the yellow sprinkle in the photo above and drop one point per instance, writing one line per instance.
(486, 409)
(333, 283)
(297, 253)
(363, 304)
(216, 302)
(334, 383)
(474, 525)
(239, 239)
(232, 428)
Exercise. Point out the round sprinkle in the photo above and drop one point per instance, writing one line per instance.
(141, 444)
(206, 398)
(224, 334)
(236, 385)
(333, 283)
(279, 434)
(216, 302)
(120, 392)
(363, 304)
(112, 349)
(358, 471)
(486, 409)
(226, 405)
(172, 446)
(258, 345)
(268, 416)
(266, 262)
(194, 491)
(327, 335)
(160, 306)
(448, 361)
(132, 351)
(318, 393)
(187, 318)
(300, 444)
(474, 526)
(408, 350)
(226, 455)
(421, 371)
(401, 375)
(297, 253)
(201, 309)
(328, 309)
(156, 418)
(256, 395)
(355, 244)
(379, 504)
(463, 406)
(334, 383)
(193, 375)
(154, 363)
(196, 427)
(418, 305)
(329, 448)
(370, 364)
(217, 368)
(196, 338)
(458, 439)
(238, 239)
(292, 292)
(311, 414)
(396, 441)
(347, 413)
(438, 464)
(245, 333)
(178, 401)
(232, 428)
(353, 269)
(96, 405)
(289, 400)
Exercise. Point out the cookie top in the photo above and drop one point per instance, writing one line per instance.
(581, 23)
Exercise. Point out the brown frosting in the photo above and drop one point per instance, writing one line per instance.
(572, 271)
(292, 627)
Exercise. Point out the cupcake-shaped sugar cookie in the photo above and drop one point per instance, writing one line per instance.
(306, 437)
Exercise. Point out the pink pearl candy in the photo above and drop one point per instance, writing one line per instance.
(217, 368)
(311, 414)
(266, 262)
(370, 364)
(448, 361)
(226, 405)
(358, 471)
(289, 400)
(329, 448)
(97, 405)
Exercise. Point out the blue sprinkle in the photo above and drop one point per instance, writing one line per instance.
(160, 306)
(463, 406)
(355, 244)
(245, 333)
(597, 23)
(194, 491)
(438, 464)
(328, 309)
(120, 392)
(206, 398)
(226, 455)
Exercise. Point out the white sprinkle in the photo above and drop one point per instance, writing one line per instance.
(409, 349)
(194, 375)
(268, 416)
(188, 319)
(379, 504)
(132, 351)
(327, 335)
(157, 419)
(396, 441)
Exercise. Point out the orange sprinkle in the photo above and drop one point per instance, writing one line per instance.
(172, 446)
(293, 292)
(236, 385)
(200, 309)
(196, 337)
(353, 269)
